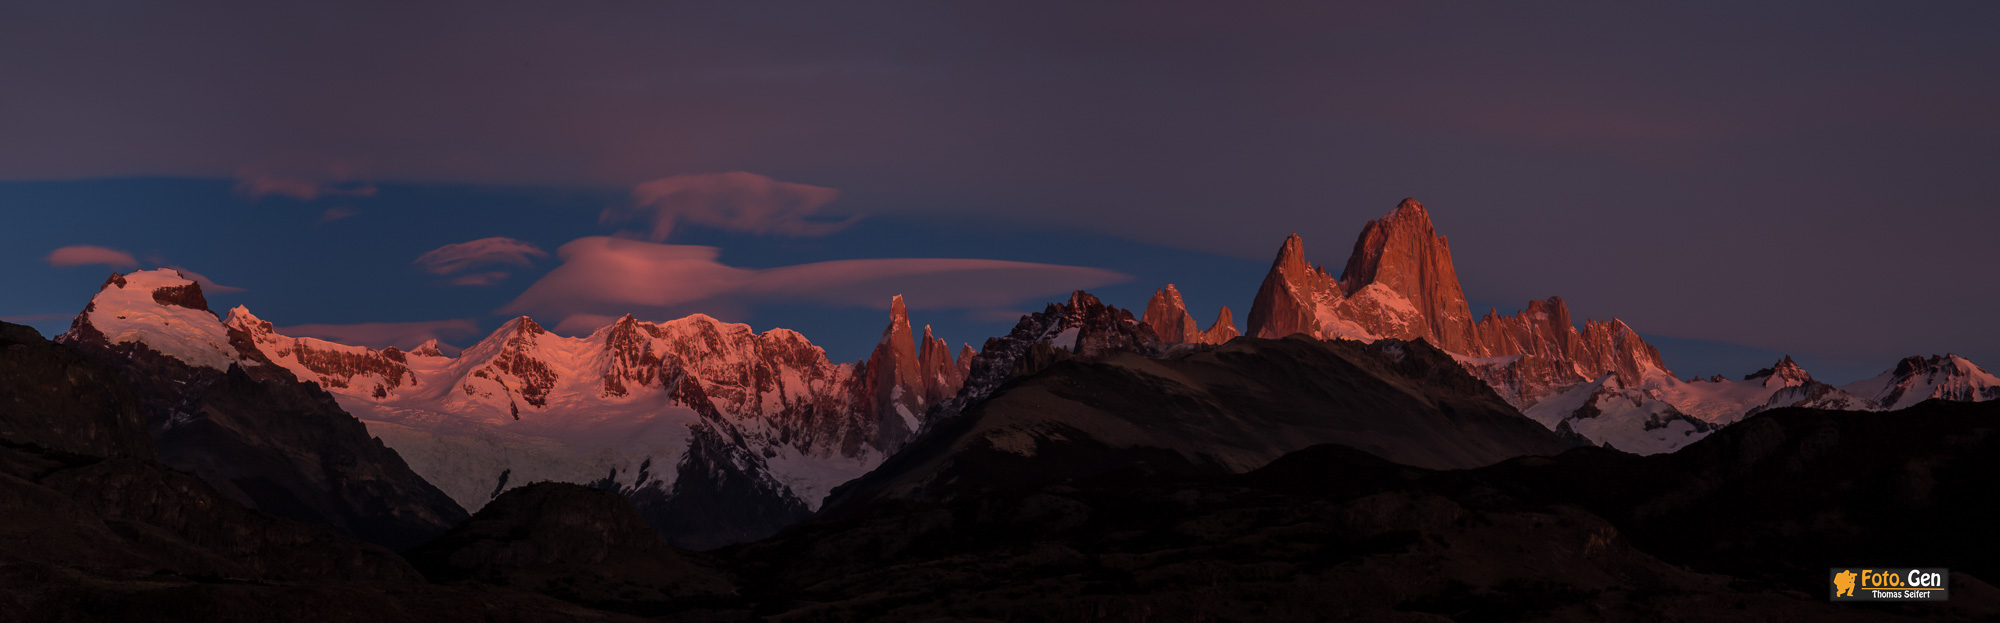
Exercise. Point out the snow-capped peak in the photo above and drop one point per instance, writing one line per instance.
(1916, 379)
(429, 348)
(1785, 373)
(163, 310)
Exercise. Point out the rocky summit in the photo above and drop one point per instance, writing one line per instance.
(1399, 282)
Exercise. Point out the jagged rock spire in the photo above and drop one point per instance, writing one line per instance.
(1400, 282)
(1167, 314)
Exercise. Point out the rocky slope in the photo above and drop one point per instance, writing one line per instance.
(1227, 409)
(217, 408)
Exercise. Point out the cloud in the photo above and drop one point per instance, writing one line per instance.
(28, 318)
(606, 276)
(462, 256)
(479, 279)
(403, 335)
(207, 285)
(335, 214)
(257, 184)
(735, 201)
(85, 255)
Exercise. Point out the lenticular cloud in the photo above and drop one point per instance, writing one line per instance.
(735, 201)
(86, 255)
(452, 258)
(611, 276)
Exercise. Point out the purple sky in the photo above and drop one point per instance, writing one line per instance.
(1810, 177)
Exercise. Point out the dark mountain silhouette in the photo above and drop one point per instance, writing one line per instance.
(1218, 410)
(93, 529)
(1741, 526)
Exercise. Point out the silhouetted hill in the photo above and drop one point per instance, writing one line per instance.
(1741, 526)
(1208, 410)
(569, 541)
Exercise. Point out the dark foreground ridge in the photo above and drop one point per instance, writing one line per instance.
(264, 439)
(1740, 526)
(93, 529)
(581, 544)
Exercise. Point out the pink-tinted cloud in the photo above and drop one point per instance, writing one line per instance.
(735, 201)
(403, 335)
(462, 256)
(256, 183)
(207, 285)
(606, 276)
(86, 255)
(479, 279)
(335, 214)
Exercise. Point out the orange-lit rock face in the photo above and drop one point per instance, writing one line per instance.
(338, 369)
(1402, 252)
(1167, 314)
(1399, 282)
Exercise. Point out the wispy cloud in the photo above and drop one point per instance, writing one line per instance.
(480, 279)
(335, 214)
(463, 256)
(382, 334)
(207, 285)
(256, 183)
(86, 255)
(734, 201)
(605, 276)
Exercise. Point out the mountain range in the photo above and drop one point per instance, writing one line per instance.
(1365, 450)
(719, 434)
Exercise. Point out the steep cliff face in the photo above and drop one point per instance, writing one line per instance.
(1222, 330)
(1167, 314)
(1403, 253)
(1293, 295)
(336, 366)
(1538, 352)
(1399, 283)
(941, 375)
(892, 391)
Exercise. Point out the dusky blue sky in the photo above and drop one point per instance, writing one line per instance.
(1736, 180)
